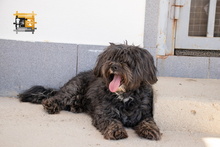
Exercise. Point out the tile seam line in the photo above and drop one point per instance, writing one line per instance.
(77, 58)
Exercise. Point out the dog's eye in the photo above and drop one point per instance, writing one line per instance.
(109, 58)
(123, 63)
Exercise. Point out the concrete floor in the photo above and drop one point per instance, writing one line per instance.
(28, 125)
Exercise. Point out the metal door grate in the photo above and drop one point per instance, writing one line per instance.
(204, 18)
(198, 18)
(217, 20)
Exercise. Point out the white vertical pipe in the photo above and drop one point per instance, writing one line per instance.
(211, 18)
(162, 27)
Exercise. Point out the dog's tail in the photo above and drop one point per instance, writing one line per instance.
(36, 94)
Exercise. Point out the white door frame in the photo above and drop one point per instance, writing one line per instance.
(183, 41)
(170, 19)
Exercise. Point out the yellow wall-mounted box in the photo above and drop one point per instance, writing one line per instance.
(25, 22)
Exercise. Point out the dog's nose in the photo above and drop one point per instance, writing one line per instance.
(114, 67)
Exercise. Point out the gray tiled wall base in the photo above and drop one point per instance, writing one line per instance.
(189, 67)
(87, 55)
(24, 64)
(214, 68)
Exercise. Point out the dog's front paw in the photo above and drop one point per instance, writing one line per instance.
(51, 106)
(148, 130)
(115, 131)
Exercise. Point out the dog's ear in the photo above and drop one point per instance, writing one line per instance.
(98, 67)
(101, 59)
(150, 69)
(146, 67)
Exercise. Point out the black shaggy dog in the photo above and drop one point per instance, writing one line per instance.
(117, 93)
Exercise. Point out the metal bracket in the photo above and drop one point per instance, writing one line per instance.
(176, 8)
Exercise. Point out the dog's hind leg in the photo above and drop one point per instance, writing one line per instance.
(41, 95)
(52, 105)
(57, 103)
(65, 99)
(71, 96)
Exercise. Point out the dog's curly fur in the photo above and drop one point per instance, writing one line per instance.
(117, 93)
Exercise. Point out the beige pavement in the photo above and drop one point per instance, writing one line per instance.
(28, 125)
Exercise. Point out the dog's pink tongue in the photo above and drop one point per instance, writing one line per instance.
(115, 83)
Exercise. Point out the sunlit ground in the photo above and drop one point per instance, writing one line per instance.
(211, 142)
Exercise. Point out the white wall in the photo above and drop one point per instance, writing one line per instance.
(77, 21)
